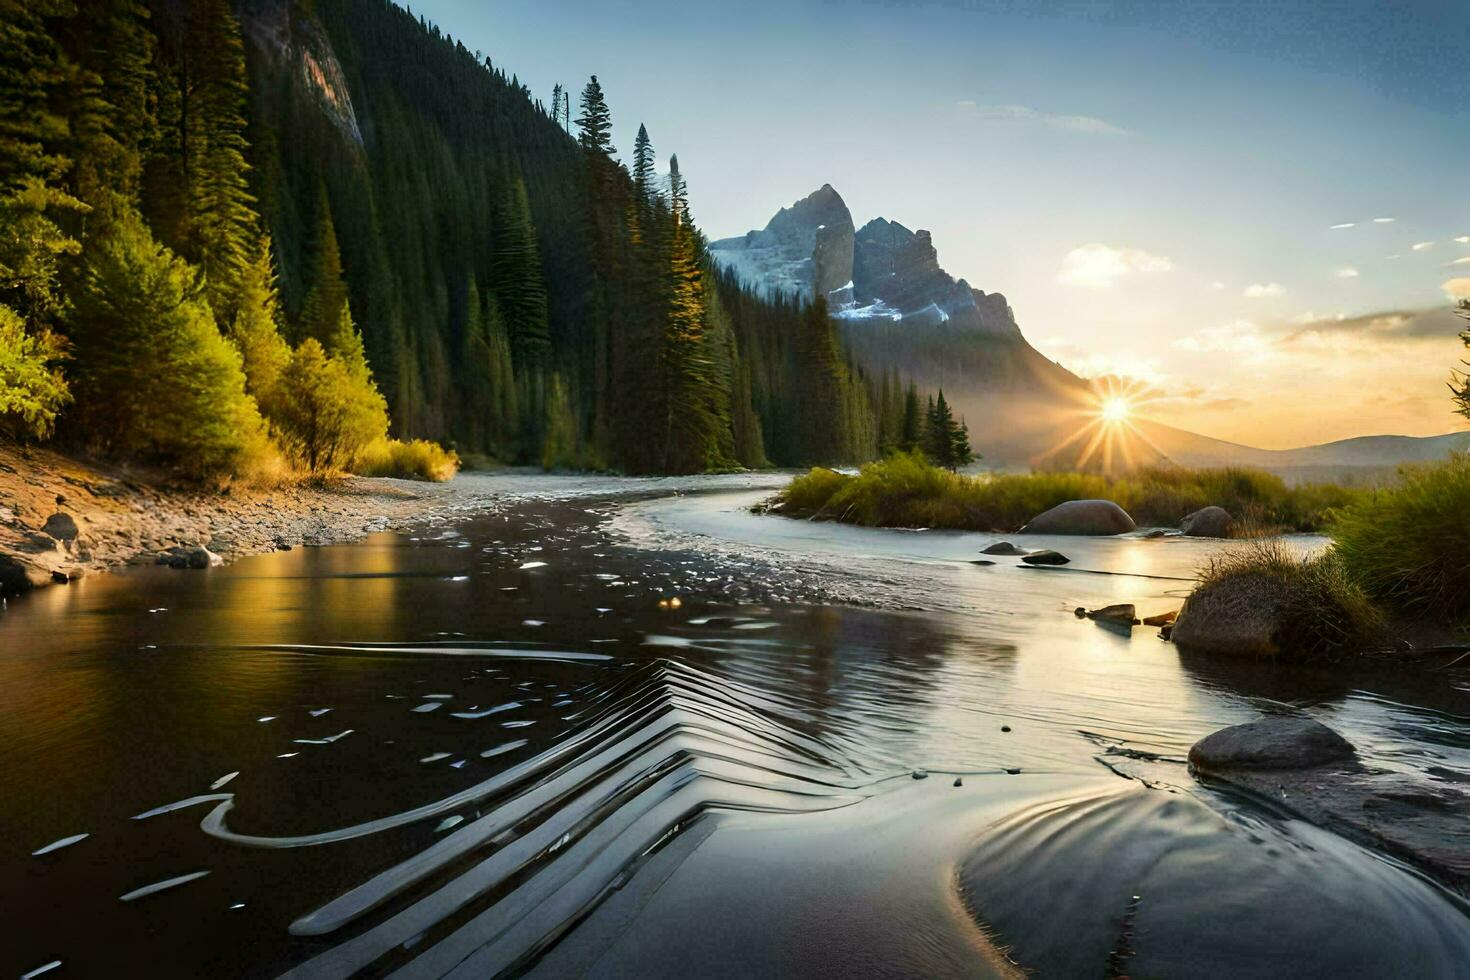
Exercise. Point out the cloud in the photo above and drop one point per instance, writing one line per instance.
(1097, 266)
(1348, 273)
(1389, 325)
(1257, 290)
(1349, 224)
(1464, 261)
(1463, 239)
(1421, 246)
(1026, 114)
(1384, 221)
(1458, 288)
(1236, 337)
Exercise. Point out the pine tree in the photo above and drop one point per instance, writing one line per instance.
(326, 294)
(520, 286)
(154, 376)
(559, 444)
(594, 125)
(256, 328)
(820, 379)
(222, 219)
(33, 74)
(913, 421)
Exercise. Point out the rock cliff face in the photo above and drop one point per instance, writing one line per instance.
(284, 34)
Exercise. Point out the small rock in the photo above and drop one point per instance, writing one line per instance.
(981, 561)
(958, 781)
(1271, 743)
(920, 774)
(1080, 612)
(1003, 548)
(1046, 557)
(1120, 614)
(1162, 619)
(1005, 728)
(1154, 533)
(1013, 772)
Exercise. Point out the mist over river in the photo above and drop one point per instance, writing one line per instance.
(593, 726)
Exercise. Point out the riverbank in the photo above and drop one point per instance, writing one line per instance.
(112, 517)
(904, 491)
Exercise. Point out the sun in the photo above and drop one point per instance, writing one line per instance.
(1115, 409)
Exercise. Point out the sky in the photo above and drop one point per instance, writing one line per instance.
(1260, 209)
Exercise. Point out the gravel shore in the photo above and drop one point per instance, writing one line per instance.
(62, 518)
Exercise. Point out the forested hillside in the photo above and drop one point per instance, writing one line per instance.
(237, 233)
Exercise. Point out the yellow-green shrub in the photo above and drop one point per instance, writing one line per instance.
(418, 459)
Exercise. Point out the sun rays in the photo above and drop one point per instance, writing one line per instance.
(1106, 436)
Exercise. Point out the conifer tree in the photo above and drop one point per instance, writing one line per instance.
(256, 328)
(326, 294)
(32, 389)
(222, 219)
(154, 376)
(559, 444)
(594, 125)
(913, 421)
(520, 286)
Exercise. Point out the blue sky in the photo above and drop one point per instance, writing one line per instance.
(1153, 186)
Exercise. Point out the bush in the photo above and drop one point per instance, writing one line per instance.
(903, 490)
(1409, 545)
(418, 459)
(32, 390)
(1324, 613)
(324, 414)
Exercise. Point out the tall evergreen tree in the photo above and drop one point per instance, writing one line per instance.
(326, 294)
(256, 328)
(222, 218)
(154, 376)
(520, 286)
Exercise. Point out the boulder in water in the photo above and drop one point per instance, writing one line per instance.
(1046, 557)
(1092, 517)
(1238, 616)
(1003, 548)
(1271, 743)
(1208, 522)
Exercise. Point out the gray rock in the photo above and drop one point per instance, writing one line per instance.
(1238, 616)
(1046, 557)
(1271, 743)
(18, 575)
(62, 527)
(1003, 548)
(1092, 517)
(1209, 522)
(1310, 770)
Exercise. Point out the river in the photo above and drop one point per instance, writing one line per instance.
(617, 728)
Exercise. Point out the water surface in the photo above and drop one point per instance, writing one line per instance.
(501, 745)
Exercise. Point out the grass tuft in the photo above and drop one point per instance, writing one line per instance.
(1409, 545)
(1324, 614)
